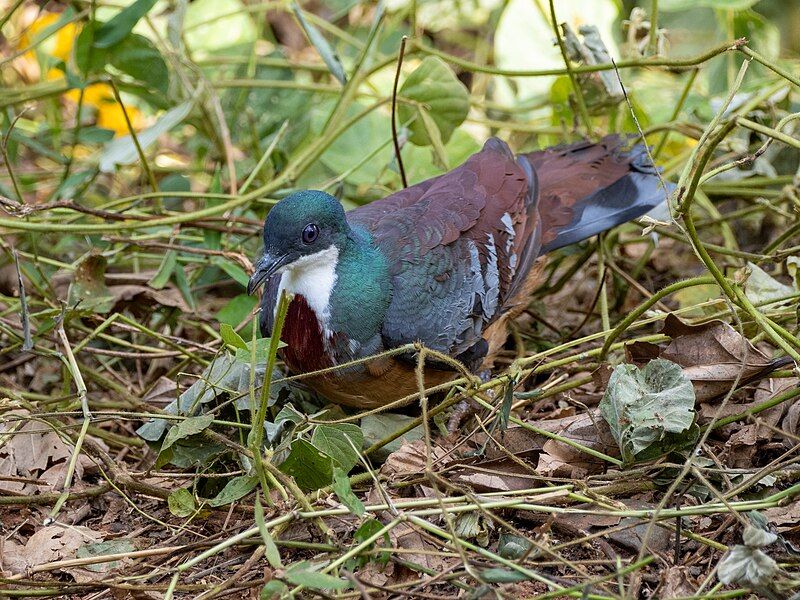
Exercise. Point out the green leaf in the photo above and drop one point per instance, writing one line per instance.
(185, 455)
(341, 486)
(365, 531)
(434, 85)
(137, 57)
(181, 502)
(165, 270)
(88, 286)
(230, 337)
(379, 427)
(175, 182)
(233, 270)
(310, 468)
(273, 589)
(122, 150)
(642, 406)
(341, 441)
(512, 546)
(322, 46)
(187, 427)
(88, 59)
(236, 488)
(121, 546)
(182, 283)
(94, 135)
(303, 574)
(289, 413)
(500, 575)
(237, 310)
(363, 150)
(270, 549)
(122, 24)
(262, 350)
(435, 137)
(212, 27)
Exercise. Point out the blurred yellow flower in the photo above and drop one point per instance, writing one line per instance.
(58, 45)
(109, 113)
(98, 95)
(110, 116)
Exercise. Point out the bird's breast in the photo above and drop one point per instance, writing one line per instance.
(302, 333)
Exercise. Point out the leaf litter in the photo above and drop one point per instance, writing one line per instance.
(567, 474)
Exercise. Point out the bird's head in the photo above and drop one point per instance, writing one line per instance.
(299, 230)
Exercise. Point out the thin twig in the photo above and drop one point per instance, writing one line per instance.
(395, 140)
(150, 177)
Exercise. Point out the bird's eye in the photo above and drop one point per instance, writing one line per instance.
(310, 233)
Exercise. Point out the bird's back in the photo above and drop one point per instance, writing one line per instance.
(462, 246)
(457, 245)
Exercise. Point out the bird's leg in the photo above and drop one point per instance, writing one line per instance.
(466, 408)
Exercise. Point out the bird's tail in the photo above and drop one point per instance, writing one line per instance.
(587, 188)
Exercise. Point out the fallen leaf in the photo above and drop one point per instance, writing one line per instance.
(49, 544)
(34, 456)
(410, 459)
(786, 518)
(675, 582)
(500, 475)
(418, 549)
(643, 406)
(101, 292)
(712, 356)
(761, 287)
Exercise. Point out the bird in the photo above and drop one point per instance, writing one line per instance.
(444, 264)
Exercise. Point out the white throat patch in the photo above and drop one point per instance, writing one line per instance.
(313, 276)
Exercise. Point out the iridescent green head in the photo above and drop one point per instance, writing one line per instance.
(298, 228)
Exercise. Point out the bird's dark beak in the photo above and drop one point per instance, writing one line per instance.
(267, 266)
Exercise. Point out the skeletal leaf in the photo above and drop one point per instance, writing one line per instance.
(746, 565)
(643, 405)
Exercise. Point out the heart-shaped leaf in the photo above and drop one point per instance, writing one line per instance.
(433, 85)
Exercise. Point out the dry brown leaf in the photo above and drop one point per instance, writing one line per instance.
(786, 518)
(377, 574)
(676, 582)
(49, 544)
(712, 355)
(791, 423)
(588, 429)
(130, 288)
(418, 549)
(500, 475)
(410, 459)
(163, 392)
(33, 457)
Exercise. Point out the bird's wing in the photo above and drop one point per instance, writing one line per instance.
(456, 245)
(587, 188)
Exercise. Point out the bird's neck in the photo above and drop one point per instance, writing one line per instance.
(313, 277)
(340, 299)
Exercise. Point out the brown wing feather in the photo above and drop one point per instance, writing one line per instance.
(568, 174)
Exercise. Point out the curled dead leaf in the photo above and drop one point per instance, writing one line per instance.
(712, 355)
(33, 456)
(411, 457)
(49, 544)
